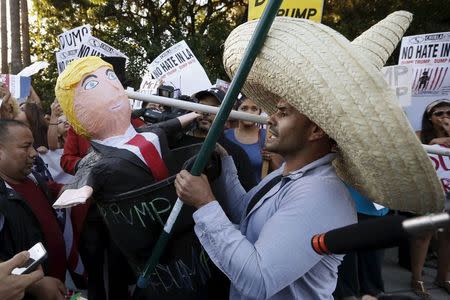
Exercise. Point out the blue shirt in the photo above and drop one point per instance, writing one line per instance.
(364, 205)
(253, 150)
(269, 255)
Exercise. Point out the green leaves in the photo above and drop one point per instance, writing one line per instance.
(141, 29)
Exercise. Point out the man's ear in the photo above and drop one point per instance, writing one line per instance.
(317, 133)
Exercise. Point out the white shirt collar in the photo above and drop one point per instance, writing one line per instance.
(119, 140)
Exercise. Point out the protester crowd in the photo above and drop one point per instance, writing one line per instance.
(277, 182)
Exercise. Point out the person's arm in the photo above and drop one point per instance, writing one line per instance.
(440, 141)
(9, 107)
(48, 288)
(13, 286)
(71, 155)
(52, 132)
(187, 119)
(282, 253)
(173, 126)
(34, 98)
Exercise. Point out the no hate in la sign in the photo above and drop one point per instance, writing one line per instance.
(178, 67)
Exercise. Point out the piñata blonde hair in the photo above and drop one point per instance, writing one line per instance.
(67, 83)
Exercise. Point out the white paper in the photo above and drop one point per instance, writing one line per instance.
(92, 46)
(72, 39)
(429, 55)
(178, 67)
(33, 68)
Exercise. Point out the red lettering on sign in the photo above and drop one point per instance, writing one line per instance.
(445, 184)
(442, 163)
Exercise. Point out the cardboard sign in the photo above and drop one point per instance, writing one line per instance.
(178, 67)
(79, 42)
(64, 57)
(19, 86)
(399, 79)
(92, 46)
(33, 68)
(149, 85)
(73, 38)
(441, 164)
(415, 110)
(222, 84)
(429, 54)
(305, 9)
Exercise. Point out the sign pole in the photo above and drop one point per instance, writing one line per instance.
(208, 146)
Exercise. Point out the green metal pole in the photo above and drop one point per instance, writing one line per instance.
(208, 146)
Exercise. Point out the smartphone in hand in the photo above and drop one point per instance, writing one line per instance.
(37, 255)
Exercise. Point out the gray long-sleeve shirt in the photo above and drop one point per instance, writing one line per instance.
(270, 256)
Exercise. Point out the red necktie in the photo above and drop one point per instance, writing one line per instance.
(151, 157)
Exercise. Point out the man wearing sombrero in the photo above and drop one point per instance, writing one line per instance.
(321, 89)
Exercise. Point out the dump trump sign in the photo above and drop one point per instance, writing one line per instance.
(305, 9)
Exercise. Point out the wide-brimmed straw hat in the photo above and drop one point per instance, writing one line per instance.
(338, 85)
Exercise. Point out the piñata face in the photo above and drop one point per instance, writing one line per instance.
(101, 105)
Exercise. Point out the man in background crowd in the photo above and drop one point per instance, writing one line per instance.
(25, 208)
(214, 97)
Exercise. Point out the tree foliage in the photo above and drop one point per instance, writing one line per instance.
(353, 17)
(142, 29)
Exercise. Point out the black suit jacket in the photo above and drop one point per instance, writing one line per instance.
(135, 209)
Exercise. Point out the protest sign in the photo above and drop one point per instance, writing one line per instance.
(149, 85)
(73, 38)
(415, 110)
(33, 68)
(441, 164)
(92, 46)
(222, 85)
(79, 42)
(429, 54)
(178, 67)
(19, 86)
(64, 57)
(399, 79)
(305, 9)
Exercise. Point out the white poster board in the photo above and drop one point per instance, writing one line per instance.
(79, 42)
(33, 68)
(92, 46)
(178, 67)
(64, 57)
(73, 38)
(441, 164)
(415, 110)
(399, 79)
(149, 85)
(429, 55)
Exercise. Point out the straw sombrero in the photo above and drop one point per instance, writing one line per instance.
(339, 86)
